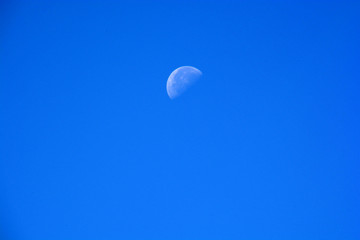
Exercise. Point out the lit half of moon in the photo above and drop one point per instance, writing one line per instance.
(181, 79)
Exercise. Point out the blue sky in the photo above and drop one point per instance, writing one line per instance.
(264, 146)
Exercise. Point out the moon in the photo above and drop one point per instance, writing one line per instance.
(181, 79)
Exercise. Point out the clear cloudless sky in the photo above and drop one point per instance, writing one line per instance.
(264, 146)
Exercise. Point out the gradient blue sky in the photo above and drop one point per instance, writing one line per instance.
(264, 146)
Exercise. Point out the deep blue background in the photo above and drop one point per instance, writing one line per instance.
(264, 146)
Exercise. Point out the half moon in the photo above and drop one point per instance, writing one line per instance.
(181, 79)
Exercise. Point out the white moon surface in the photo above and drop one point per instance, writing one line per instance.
(181, 79)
